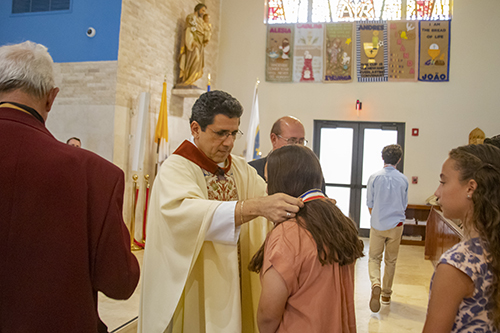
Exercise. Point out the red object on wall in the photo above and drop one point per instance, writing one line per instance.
(414, 180)
(414, 131)
(307, 70)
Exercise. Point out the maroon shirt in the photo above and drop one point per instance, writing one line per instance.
(61, 229)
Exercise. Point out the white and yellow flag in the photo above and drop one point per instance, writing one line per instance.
(161, 132)
(253, 140)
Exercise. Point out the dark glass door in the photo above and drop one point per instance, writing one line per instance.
(349, 153)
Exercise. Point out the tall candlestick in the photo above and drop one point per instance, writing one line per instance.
(132, 222)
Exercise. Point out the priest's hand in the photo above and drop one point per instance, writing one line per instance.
(278, 207)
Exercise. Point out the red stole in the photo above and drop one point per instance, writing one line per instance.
(189, 151)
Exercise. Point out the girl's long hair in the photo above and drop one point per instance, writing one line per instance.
(482, 163)
(294, 170)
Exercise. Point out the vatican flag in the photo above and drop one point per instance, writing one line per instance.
(253, 141)
(161, 132)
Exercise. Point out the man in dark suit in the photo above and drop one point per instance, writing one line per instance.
(287, 130)
(61, 223)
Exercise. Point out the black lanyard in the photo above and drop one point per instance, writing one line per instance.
(31, 111)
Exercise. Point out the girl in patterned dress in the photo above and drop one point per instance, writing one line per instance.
(465, 294)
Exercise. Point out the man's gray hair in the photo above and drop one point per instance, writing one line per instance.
(28, 67)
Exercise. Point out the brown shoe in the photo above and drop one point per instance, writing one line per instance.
(375, 299)
(386, 300)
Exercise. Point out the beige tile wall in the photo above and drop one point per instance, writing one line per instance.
(85, 105)
(86, 83)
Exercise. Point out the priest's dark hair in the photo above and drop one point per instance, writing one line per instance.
(294, 170)
(213, 103)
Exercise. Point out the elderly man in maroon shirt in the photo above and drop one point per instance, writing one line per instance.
(61, 225)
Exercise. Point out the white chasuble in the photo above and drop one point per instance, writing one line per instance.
(188, 282)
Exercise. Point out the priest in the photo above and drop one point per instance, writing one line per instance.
(195, 276)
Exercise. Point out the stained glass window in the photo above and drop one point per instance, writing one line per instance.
(428, 9)
(287, 11)
(301, 11)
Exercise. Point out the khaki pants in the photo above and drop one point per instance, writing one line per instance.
(378, 239)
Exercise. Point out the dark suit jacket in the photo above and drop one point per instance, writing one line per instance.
(62, 231)
(259, 166)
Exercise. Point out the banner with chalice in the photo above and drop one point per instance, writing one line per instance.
(434, 62)
(372, 60)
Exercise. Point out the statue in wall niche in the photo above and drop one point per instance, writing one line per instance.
(197, 33)
(476, 136)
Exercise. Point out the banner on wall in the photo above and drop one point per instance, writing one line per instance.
(338, 58)
(308, 53)
(434, 49)
(371, 56)
(279, 52)
(403, 50)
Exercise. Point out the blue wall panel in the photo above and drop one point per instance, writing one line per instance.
(64, 32)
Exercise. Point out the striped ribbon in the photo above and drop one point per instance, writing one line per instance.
(312, 195)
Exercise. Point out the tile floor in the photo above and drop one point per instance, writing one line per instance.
(406, 313)
(408, 307)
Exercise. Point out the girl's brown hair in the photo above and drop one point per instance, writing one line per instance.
(293, 170)
(482, 163)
